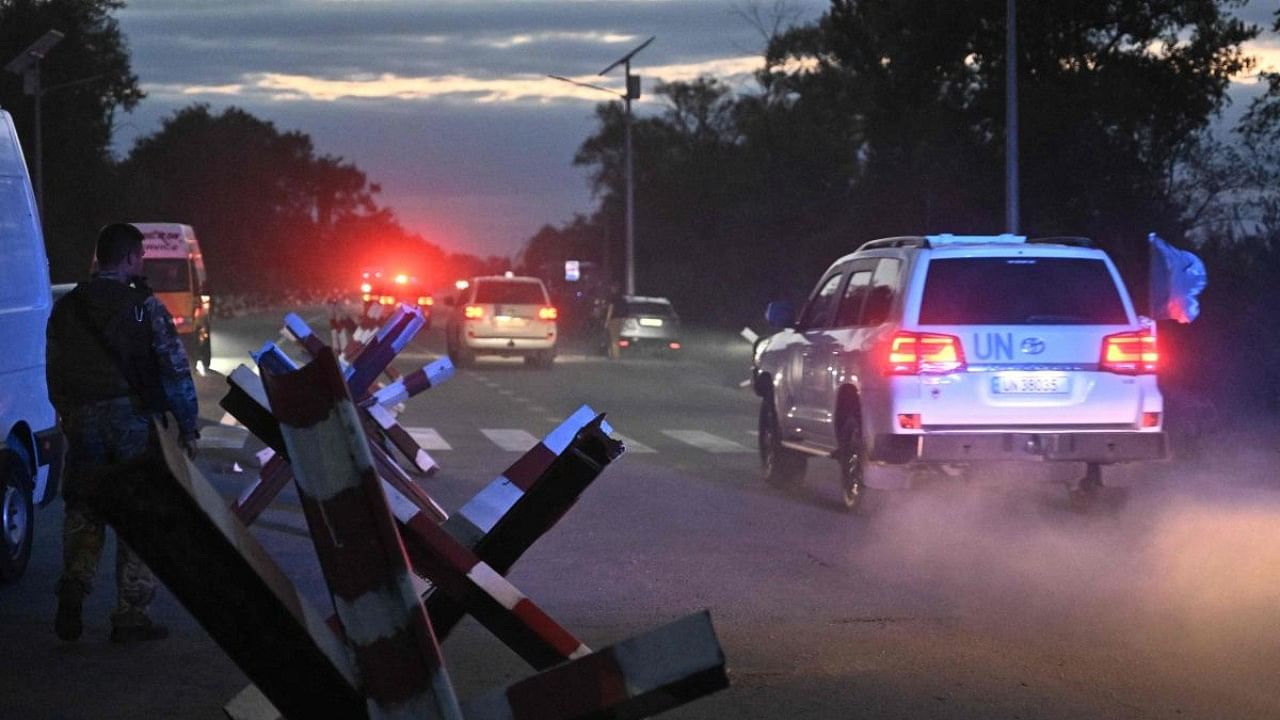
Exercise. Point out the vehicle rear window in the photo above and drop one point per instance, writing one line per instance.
(517, 292)
(1020, 291)
(167, 275)
(649, 308)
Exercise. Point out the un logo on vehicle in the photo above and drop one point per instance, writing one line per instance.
(1032, 346)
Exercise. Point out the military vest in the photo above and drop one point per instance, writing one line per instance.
(105, 330)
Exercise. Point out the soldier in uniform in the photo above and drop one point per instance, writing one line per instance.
(114, 364)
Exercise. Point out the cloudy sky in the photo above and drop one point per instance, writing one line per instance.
(446, 102)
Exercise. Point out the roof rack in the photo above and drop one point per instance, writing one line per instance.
(914, 241)
(1073, 240)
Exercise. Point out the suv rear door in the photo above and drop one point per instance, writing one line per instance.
(510, 308)
(1032, 327)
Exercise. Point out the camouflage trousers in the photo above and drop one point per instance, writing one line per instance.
(99, 435)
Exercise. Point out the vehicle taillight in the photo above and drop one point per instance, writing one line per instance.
(426, 300)
(1130, 353)
(387, 300)
(548, 313)
(473, 312)
(912, 353)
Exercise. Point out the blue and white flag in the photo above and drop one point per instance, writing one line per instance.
(1177, 279)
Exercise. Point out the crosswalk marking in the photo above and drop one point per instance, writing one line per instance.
(634, 446)
(428, 438)
(228, 420)
(510, 439)
(223, 436)
(706, 441)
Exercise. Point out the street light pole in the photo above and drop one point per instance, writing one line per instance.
(1011, 219)
(27, 64)
(633, 93)
(630, 250)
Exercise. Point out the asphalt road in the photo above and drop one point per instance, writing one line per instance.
(982, 599)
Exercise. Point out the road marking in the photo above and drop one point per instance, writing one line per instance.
(509, 439)
(228, 420)
(706, 441)
(428, 438)
(634, 446)
(506, 392)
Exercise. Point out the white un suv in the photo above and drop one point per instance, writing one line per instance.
(960, 349)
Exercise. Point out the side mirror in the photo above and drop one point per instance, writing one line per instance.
(780, 315)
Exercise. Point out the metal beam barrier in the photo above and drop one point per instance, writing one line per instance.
(637, 678)
(360, 551)
(181, 528)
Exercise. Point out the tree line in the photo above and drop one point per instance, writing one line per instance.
(272, 212)
(886, 117)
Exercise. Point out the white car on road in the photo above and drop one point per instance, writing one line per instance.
(503, 315)
(953, 350)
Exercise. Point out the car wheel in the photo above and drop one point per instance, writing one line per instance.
(461, 357)
(781, 466)
(852, 455)
(17, 517)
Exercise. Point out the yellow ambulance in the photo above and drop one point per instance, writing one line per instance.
(175, 271)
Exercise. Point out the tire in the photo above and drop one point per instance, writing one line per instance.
(781, 467)
(461, 357)
(852, 455)
(17, 517)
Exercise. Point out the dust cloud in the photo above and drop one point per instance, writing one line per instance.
(1187, 571)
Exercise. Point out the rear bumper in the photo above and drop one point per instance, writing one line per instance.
(508, 345)
(1100, 447)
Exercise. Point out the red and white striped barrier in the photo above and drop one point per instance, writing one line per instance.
(414, 383)
(648, 674)
(360, 551)
(482, 591)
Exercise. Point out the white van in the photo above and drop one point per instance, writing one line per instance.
(174, 268)
(31, 456)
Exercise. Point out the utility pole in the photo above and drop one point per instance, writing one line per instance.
(1011, 219)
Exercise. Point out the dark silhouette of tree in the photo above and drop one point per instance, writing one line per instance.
(269, 210)
(86, 78)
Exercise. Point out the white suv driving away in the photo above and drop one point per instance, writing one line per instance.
(503, 315)
(952, 349)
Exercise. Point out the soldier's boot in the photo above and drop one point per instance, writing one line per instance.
(67, 623)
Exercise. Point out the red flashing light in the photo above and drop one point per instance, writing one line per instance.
(909, 421)
(548, 313)
(1130, 353)
(473, 312)
(912, 353)
(674, 345)
(1150, 419)
(624, 343)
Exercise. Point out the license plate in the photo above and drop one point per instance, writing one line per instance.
(1031, 385)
